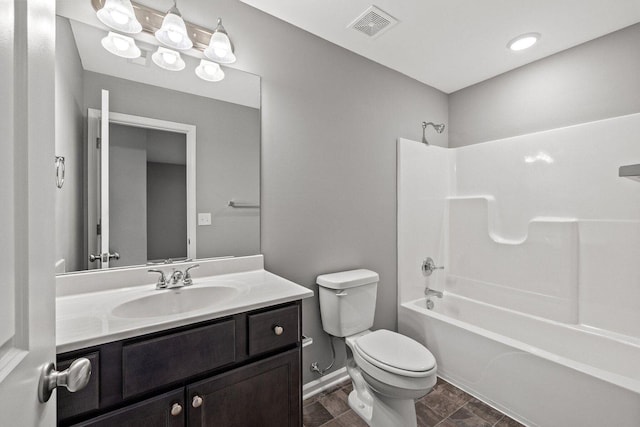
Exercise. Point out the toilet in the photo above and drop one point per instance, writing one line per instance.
(388, 370)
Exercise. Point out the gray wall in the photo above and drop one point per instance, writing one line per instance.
(69, 142)
(128, 194)
(166, 210)
(227, 155)
(330, 120)
(596, 80)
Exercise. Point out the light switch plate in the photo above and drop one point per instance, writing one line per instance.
(204, 218)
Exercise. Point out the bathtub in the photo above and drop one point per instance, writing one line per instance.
(540, 372)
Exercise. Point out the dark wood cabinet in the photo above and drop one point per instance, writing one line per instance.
(242, 370)
(264, 394)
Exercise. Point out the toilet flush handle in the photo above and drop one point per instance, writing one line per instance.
(342, 293)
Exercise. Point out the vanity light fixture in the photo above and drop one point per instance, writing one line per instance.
(523, 41)
(119, 15)
(209, 71)
(168, 59)
(220, 49)
(173, 32)
(123, 46)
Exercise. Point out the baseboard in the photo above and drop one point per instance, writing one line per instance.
(323, 383)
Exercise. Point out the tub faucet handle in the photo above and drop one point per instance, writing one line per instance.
(429, 266)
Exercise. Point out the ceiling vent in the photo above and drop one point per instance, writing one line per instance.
(373, 22)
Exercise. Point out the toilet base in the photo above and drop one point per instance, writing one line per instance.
(386, 412)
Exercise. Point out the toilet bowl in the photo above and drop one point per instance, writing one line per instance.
(388, 370)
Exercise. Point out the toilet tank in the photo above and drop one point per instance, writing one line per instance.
(347, 301)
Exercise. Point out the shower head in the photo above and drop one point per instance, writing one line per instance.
(438, 127)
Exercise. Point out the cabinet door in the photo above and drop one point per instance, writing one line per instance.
(164, 410)
(266, 393)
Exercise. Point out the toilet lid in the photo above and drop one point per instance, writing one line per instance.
(385, 348)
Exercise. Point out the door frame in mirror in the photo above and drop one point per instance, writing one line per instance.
(93, 203)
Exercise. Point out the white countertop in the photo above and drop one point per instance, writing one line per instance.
(86, 319)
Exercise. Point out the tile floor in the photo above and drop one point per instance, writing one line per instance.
(444, 406)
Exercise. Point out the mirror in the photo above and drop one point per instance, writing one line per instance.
(224, 216)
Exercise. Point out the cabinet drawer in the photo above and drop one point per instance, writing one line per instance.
(84, 400)
(175, 357)
(262, 329)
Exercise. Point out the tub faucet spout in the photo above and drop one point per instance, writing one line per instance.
(432, 293)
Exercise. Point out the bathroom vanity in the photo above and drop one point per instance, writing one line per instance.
(233, 362)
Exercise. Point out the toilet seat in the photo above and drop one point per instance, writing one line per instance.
(395, 353)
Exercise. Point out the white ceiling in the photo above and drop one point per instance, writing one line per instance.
(452, 44)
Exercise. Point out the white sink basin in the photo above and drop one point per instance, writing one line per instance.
(175, 301)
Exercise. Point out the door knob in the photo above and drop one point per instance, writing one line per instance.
(104, 257)
(74, 378)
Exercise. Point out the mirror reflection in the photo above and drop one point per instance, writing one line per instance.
(182, 171)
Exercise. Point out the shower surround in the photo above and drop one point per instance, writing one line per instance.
(540, 239)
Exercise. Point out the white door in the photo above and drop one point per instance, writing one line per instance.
(98, 184)
(104, 181)
(102, 253)
(27, 185)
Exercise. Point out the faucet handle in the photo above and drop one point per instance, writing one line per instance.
(162, 280)
(429, 266)
(187, 275)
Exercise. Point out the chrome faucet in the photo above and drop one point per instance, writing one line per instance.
(432, 293)
(176, 279)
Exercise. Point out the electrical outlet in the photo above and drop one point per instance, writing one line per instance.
(204, 218)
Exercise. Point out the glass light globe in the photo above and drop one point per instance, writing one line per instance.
(209, 71)
(169, 58)
(173, 32)
(121, 45)
(220, 44)
(174, 35)
(119, 15)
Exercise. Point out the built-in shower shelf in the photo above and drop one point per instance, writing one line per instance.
(630, 171)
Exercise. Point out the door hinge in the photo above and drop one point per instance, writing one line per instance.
(98, 229)
(98, 142)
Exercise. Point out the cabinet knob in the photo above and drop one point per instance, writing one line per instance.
(196, 402)
(278, 330)
(176, 409)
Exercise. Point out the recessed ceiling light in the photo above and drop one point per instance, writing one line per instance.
(523, 41)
